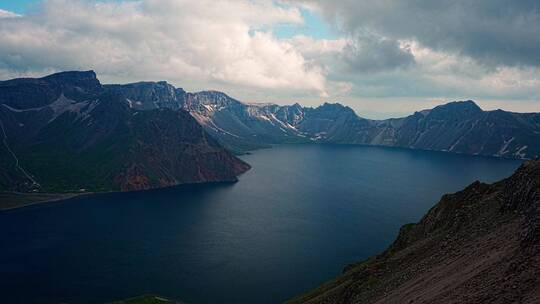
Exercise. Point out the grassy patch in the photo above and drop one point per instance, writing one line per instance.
(407, 227)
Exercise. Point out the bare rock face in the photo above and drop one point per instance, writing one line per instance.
(150, 95)
(133, 179)
(459, 127)
(479, 245)
(172, 149)
(67, 132)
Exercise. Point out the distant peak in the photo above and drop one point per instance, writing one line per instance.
(213, 97)
(335, 108)
(152, 84)
(456, 110)
(81, 75)
(73, 83)
(214, 94)
(86, 79)
(465, 103)
(461, 105)
(332, 105)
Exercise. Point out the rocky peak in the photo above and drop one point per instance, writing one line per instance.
(209, 100)
(296, 105)
(456, 109)
(73, 76)
(292, 115)
(25, 93)
(149, 95)
(82, 82)
(180, 94)
(333, 110)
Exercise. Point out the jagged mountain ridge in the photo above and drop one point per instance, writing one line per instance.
(460, 127)
(31, 107)
(67, 132)
(479, 245)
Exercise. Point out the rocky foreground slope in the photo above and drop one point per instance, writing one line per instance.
(479, 245)
(68, 133)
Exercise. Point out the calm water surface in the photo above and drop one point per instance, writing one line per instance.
(292, 222)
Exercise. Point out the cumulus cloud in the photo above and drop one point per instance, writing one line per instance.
(445, 76)
(198, 43)
(435, 50)
(494, 32)
(389, 50)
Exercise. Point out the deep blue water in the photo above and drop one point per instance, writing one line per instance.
(294, 221)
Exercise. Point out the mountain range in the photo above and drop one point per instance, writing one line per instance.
(459, 127)
(68, 132)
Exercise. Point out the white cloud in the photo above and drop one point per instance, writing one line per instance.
(315, 47)
(466, 76)
(195, 43)
(7, 14)
(229, 45)
(324, 54)
(493, 32)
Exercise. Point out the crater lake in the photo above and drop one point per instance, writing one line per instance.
(295, 220)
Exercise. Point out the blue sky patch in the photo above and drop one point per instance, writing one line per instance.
(314, 26)
(17, 6)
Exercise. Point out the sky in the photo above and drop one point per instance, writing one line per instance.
(382, 58)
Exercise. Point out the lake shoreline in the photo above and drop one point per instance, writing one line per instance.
(36, 198)
(21, 200)
(28, 200)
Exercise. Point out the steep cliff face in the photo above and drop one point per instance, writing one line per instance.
(479, 245)
(150, 95)
(66, 132)
(463, 127)
(171, 149)
(459, 127)
(239, 126)
(33, 93)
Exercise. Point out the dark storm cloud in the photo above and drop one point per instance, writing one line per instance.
(375, 54)
(494, 32)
